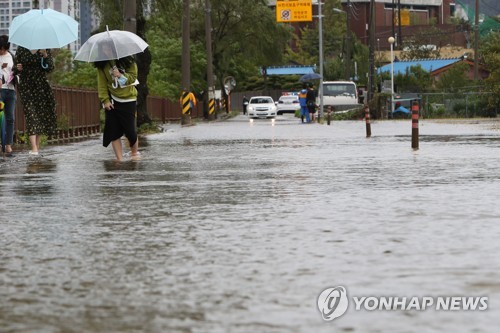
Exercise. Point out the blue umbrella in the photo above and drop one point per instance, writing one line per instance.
(309, 77)
(43, 29)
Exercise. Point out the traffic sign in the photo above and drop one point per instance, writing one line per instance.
(294, 11)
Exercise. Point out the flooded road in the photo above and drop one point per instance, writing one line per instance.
(238, 226)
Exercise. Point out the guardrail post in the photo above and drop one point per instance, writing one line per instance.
(414, 124)
(367, 121)
(211, 108)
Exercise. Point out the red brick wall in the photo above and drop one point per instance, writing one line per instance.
(383, 22)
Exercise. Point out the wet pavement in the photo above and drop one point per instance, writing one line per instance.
(238, 226)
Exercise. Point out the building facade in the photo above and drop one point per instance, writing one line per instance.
(404, 18)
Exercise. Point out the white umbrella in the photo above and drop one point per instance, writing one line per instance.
(43, 29)
(109, 45)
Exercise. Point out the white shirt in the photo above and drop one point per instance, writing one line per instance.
(7, 71)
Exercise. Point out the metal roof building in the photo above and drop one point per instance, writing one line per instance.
(429, 65)
(290, 70)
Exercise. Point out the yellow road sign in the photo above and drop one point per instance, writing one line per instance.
(293, 10)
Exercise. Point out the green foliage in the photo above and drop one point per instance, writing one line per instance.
(245, 37)
(238, 42)
(110, 14)
(148, 128)
(490, 53)
(166, 76)
(84, 75)
(239, 45)
(435, 111)
(63, 122)
(349, 115)
(360, 56)
(71, 73)
(334, 43)
(414, 80)
(454, 79)
(62, 64)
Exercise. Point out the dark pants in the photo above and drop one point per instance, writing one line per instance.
(8, 96)
(120, 121)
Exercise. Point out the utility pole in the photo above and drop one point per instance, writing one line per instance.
(320, 22)
(129, 16)
(400, 35)
(371, 57)
(393, 18)
(210, 70)
(348, 43)
(476, 43)
(186, 61)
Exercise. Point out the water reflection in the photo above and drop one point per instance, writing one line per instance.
(38, 179)
(126, 165)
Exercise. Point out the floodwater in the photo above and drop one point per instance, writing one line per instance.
(238, 226)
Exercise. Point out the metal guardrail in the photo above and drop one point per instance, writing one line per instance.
(78, 113)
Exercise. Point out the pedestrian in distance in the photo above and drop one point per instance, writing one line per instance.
(36, 95)
(245, 104)
(8, 93)
(311, 101)
(116, 81)
(304, 112)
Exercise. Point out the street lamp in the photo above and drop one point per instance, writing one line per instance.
(347, 45)
(391, 42)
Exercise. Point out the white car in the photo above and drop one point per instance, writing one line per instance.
(288, 104)
(261, 107)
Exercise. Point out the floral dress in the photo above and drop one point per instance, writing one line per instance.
(36, 94)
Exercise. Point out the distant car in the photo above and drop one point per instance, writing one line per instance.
(288, 104)
(261, 107)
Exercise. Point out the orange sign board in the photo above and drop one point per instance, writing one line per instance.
(294, 10)
(405, 17)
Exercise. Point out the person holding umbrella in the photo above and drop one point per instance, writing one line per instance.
(36, 94)
(116, 80)
(36, 32)
(111, 52)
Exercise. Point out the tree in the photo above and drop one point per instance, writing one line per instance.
(240, 46)
(490, 53)
(71, 73)
(454, 79)
(415, 79)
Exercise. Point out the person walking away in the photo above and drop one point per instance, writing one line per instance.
(304, 112)
(8, 92)
(311, 101)
(36, 94)
(116, 81)
(245, 103)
